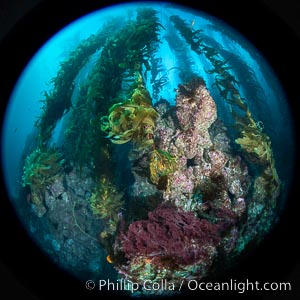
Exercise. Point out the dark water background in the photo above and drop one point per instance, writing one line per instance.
(19, 124)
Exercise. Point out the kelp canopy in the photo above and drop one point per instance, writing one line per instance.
(181, 174)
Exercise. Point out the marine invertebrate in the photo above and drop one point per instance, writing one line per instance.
(132, 120)
(161, 165)
(41, 169)
(256, 144)
(106, 203)
(257, 147)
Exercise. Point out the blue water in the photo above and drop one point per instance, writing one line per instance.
(270, 106)
(24, 106)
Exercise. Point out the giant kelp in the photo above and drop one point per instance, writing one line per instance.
(159, 76)
(172, 193)
(57, 101)
(252, 140)
(125, 52)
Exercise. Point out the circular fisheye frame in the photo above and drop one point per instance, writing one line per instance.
(144, 149)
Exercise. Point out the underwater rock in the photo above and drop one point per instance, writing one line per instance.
(180, 188)
(67, 225)
(229, 242)
(57, 188)
(38, 209)
(205, 177)
(151, 166)
(193, 140)
(195, 114)
(237, 177)
(195, 107)
(142, 187)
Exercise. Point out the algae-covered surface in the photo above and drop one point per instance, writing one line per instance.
(153, 151)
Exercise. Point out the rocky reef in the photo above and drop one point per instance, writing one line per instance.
(145, 188)
(203, 190)
(186, 206)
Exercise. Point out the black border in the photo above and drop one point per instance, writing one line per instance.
(24, 269)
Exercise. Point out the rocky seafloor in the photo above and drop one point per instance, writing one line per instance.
(194, 199)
